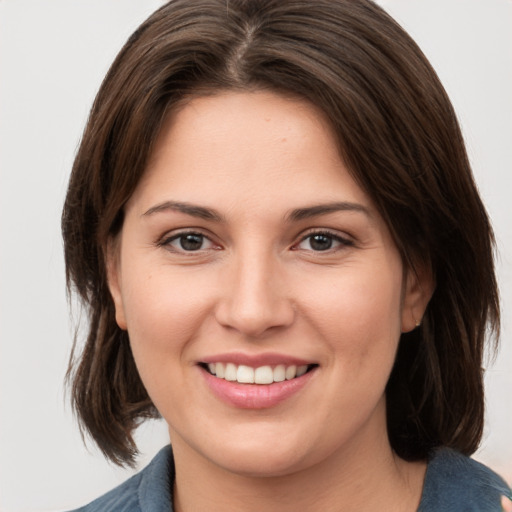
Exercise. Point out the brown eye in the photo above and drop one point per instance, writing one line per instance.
(320, 242)
(191, 242)
(188, 242)
(323, 241)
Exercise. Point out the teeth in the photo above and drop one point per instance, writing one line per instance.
(245, 374)
(290, 372)
(218, 369)
(230, 372)
(279, 373)
(301, 370)
(261, 375)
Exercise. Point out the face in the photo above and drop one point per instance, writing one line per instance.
(262, 292)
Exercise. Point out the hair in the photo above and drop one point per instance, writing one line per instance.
(397, 133)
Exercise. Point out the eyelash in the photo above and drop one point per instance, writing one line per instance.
(166, 241)
(342, 241)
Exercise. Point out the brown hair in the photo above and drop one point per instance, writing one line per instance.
(398, 135)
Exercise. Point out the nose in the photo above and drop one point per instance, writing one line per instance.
(254, 297)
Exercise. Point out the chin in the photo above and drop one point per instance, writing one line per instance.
(256, 453)
(263, 462)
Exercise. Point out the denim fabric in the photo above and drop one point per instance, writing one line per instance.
(456, 483)
(453, 483)
(147, 491)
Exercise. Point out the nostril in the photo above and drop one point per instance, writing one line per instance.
(254, 318)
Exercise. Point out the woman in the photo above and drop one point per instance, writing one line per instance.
(265, 221)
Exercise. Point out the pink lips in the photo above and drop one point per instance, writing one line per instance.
(255, 396)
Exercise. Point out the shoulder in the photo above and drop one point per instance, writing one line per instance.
(455, 482)
(150, 489)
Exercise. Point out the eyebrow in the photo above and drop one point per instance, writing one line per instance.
(294, 216)
(324, 209)
(187, 208)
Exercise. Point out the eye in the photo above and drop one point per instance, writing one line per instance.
(322, 241)
(188, 242)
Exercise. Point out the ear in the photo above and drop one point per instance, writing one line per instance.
(419, 286)
(114, 280)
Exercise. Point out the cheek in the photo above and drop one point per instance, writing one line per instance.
(359, 317)
(163, 321)
(169, 313)
(362, 302)
(162, 313)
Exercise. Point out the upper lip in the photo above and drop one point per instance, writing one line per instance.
(256, 360)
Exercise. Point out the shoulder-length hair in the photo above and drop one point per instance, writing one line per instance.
(398, 135)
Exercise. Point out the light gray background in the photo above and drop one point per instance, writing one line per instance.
(53, 55)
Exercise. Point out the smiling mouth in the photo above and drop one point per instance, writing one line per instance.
(261, 375)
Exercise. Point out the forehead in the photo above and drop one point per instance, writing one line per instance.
(257, 145)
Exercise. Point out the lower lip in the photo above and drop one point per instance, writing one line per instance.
(255, 396)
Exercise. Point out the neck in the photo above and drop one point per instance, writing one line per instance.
(364, 477)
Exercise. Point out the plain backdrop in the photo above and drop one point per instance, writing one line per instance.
(53, 55)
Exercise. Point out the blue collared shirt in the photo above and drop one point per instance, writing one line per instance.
(453, 483)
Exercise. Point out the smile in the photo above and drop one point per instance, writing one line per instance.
(256, 387)
(267, 374)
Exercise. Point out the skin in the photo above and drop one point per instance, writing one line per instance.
(259, 284)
